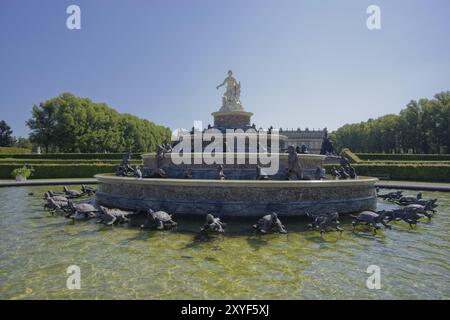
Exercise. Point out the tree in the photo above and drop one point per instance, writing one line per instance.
(72, 124)
(422, 127)
(6, 137)
(43, 124)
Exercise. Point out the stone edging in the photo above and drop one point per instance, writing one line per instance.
(238, 183)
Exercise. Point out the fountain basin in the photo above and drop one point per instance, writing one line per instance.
(245, 198)
(235, 170)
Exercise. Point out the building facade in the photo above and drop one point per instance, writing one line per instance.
(311, 138)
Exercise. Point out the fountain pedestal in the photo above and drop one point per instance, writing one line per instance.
(232, 119)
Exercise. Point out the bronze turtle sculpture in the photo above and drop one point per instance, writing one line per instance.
(324, 221)
(270, 223)
(88, 190)
(395, 195)
(110, 216)
(72, 193)
(420, 209)
(81, 211)
(161, 220)
(56, 198)
(53, 205)
(405, 200)
(410, 213)
(213, 224)
(53, 194)
(430, 204)
(371, 218)
(409, 216)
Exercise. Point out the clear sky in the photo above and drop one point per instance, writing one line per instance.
(301, 63)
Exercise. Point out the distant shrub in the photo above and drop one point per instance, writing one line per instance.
(48, 171)
(13, 150)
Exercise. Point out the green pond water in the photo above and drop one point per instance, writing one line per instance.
(123, 262)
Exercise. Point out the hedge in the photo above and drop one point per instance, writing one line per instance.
(12, 150)
(412, 172)
(352, 157)
(48, 171)
(70, 156)
(404, 157)
(59, 161)
(404, 162)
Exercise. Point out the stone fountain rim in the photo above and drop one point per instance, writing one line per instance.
(360, 181)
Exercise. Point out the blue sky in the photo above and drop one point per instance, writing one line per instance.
(301, 63)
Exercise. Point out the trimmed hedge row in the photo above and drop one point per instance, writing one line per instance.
(13, 150)
(48, 171)
(412, 172)
(404, 157)
(58, 161)
(352, 157)
(415, 172)
(404, 172)
(403, 162)
(70, 156)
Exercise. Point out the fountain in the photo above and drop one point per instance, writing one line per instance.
(248, 173)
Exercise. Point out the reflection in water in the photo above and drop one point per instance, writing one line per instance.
(124, 262)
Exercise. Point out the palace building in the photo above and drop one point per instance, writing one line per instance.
(311, 138)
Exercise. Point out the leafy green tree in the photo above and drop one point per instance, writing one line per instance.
(43, 125)
(80, 125)
(6, 137)
(422, 127)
